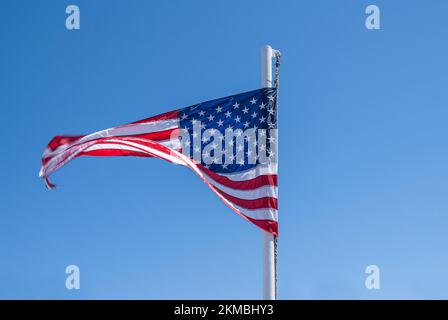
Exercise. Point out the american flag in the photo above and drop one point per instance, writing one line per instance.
(230, 143)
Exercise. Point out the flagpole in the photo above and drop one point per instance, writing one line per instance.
(269, 267)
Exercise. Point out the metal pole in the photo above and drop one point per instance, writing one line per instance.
(269, 289)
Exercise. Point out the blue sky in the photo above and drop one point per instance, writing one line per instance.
(363, 152)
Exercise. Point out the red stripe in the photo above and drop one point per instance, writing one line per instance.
(253, 204)
(62, 140)
(267, 225)
(118, 152)
(250, 184)
(45, 160)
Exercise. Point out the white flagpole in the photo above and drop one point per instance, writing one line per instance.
(269, 283)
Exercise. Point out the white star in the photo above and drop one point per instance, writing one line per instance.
(211, 117)
(237, 119)
(220, 123)
(202, 126)
(245, 110)
(197, 149)
(230, 143)
(232, 157)
(241, 162)
(253, 101)
(240, 147)
(238, 133)
(262, 119)
(271, 98)
(224, 166)
(271, 125)
(228, 114)
(236, 105)
(246, 124)
(187, 143)
(262, 105)
(271, 111)
(229, 128)
(201, 113)
(195, 134)
(204, 139)
(262, 147)
(254, 115)
(218, 109)
(214, 145)
(271, 139)
(183, 117)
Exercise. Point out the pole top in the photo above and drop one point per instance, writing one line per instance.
(272, 52)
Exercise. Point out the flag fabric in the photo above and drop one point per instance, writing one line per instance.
(230, 143)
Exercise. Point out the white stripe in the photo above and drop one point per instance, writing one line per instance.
(139, 128)
(105, 146)
(156, 152)
(259, 214)
(171, 143)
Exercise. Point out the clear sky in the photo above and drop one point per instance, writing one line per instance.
(363, 174)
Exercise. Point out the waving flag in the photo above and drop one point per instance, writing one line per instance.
(230, 143)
